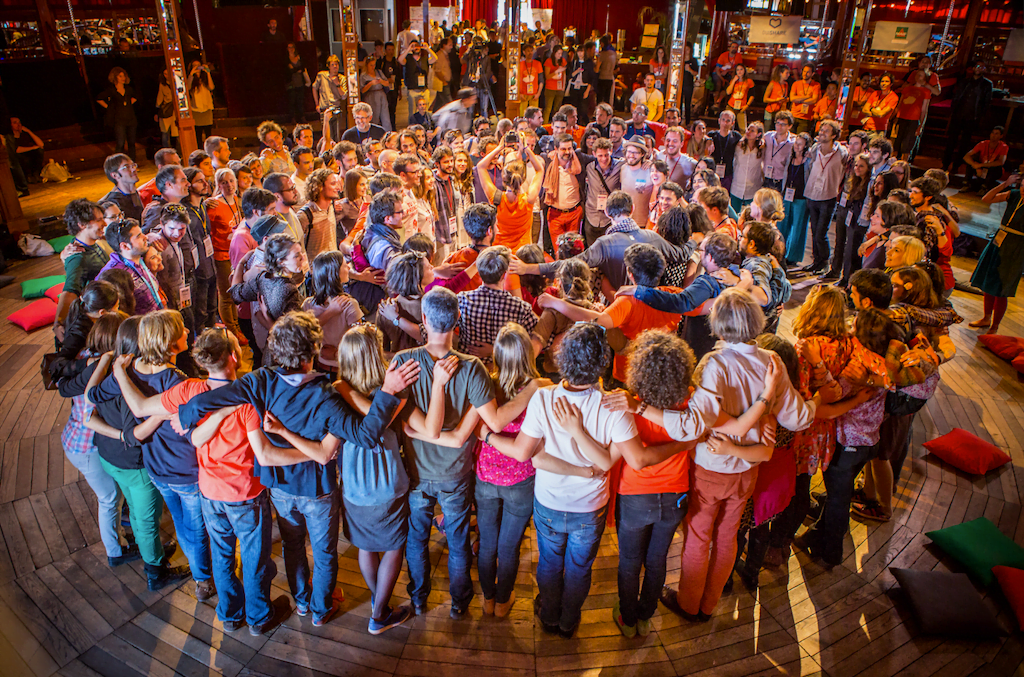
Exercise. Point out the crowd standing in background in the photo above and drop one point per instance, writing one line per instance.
(573, 322)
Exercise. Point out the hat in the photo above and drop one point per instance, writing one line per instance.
(271, 224)
(642, 147)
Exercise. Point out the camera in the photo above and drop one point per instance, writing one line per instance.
(511, 138)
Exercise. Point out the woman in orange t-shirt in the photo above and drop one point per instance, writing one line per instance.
(880, 105)
(739, 95)
(776, 94)
(554, 81)
(515, 207)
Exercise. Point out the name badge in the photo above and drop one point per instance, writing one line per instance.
(208, 246)
(849, 217)
(842, 200)
(720, 170)
(602, 200)
(453, 227)
(195, 257)
(790, 195)
(421, 80)
(184, 296)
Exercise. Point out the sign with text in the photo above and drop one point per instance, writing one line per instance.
(775, 30)
(901, 36)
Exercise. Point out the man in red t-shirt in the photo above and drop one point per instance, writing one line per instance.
(162, 158)
(531, 75)
(803, 96)
(644, 266)
(236, 506)
(985, 162)
(911, 114)
(724, 67)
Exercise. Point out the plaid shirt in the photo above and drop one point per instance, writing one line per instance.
(76, 438)
(484, 311)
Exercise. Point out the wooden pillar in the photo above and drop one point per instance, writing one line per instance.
(513, 55)
(680, 27)
(10, 207)
(966, 45)
(174, 59)
(48, 30)
(426, 24)
(350, 59)
(861, 47)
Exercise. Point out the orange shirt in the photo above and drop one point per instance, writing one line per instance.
(515, 222)
(556, 83)
(803, 111)
(226, 461)
(466, 255)
(633, 317)
(876, 100)
(857, 101)
(148, 191)
(224, 218)
(775, 89)
(670, 476)
(530, 75)
(739, 97)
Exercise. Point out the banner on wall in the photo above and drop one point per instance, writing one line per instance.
(1014, 51)
(901, 36)
(775, 30)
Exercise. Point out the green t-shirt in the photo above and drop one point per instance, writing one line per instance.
(469, 387)
(81, 269)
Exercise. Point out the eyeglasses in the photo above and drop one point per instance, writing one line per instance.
(130, 167)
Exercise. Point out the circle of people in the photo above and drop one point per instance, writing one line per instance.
(549, 322)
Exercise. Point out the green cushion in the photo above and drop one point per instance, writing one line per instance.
(35, 289)
(58, 243)
(978, 545)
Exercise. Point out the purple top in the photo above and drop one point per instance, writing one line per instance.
(147, 297)
(494, 467)
(456, 283)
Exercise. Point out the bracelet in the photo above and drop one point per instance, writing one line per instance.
(642, 409)
(487, 437)
(761, 398)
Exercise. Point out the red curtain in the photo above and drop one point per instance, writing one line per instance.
(582, 15)
(480, 9)
(604, 15)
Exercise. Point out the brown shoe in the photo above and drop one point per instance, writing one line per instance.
(488, 607)
(205, 590)
(501, 610)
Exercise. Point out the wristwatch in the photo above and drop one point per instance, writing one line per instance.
(397, 321)
(487, 437)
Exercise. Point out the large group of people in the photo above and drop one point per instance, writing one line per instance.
(383, 333)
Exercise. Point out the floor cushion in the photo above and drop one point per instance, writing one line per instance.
(58, 243)
(36, 289)
(36, 314)
(947, 604)
(967, 451)
(978, 545)
(1006, 347)
(1012, 582)
(55, 291)
(1018, 363)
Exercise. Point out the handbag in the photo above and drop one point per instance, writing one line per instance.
(49, 383)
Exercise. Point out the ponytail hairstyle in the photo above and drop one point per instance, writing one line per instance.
(512, 175)
(97, 297)
(574, 279)
(515, 364)
(125, 286)
(535, 284)
(276, 250)
(104, 332)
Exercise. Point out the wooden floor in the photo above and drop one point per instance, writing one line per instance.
(63, 611)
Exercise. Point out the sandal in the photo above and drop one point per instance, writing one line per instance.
(859, 497)
(980, 324)
(870, 511)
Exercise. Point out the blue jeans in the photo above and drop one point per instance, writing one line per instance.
(828, 532)
(820, 213)
(108, 498)
(183, 502)
(248, 523)
(567, 543)
(645, 525)
(456, 499)
(297, 517)
(502, 514)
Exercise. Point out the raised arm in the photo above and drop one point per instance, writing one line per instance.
(574, 312)
(92, 389)
(270, 456)
(482, 170)
(538, 177)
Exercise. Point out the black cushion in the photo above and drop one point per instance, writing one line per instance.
(948, 604)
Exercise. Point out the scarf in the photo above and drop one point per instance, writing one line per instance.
(377, 230)
(623, 226)
(551, 176)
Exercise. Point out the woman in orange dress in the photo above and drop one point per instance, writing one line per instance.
(515, 207)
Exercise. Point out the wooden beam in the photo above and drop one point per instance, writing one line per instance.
(513, 56)
(174, 60)
(10, 207)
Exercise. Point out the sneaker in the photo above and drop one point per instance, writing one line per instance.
(567, 634)
(830, 276)
(160, 576)
(320, 621)
(129, 553)
(279, 610)
(502, 610)
(643, 628)
(394, 618)
(232, 626)
(627, 630)
(302, 609)
(488, 607)
(457, 614)
(419, 609)
(205, 590)
(671, 602)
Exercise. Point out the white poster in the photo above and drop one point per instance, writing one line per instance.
(901, 36)
(775, 30)
(1014, 51)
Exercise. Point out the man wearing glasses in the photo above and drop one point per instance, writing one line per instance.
(124, 174)
(363, 130)
(282, 186)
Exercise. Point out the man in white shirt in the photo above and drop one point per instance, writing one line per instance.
(635, 179)
(406, 36)
(680, 165)
(302, 158)
(778, 151)
(824, 181)
(650, 97)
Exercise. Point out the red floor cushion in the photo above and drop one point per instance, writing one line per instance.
(967, 452)
(1018, 363)
(54, 292)
(1012, 582)
(1006, 347)
(34, 315)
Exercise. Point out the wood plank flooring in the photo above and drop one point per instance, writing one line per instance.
(64, 612)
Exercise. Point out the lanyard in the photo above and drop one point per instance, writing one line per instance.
(777, 147)
(449, 195)
(235, 214)
(176, 248)
(824, 166)
(201, 215)
(84, 245)
(141, 271)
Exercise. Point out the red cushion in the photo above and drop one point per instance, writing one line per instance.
(1006, 347)
(967, 452)
(34, 315)
(55, 291)
(1018, 363)
(1012, 582)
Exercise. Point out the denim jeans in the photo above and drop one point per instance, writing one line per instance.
(820, 213)
(645, 525)
(455, 498)
(248, 524)
(828, 532)
(108, 496)
(567, 544)
(318, 517)
(502, 514)
(187, 513)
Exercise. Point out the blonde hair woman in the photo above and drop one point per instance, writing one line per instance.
(902, 251)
